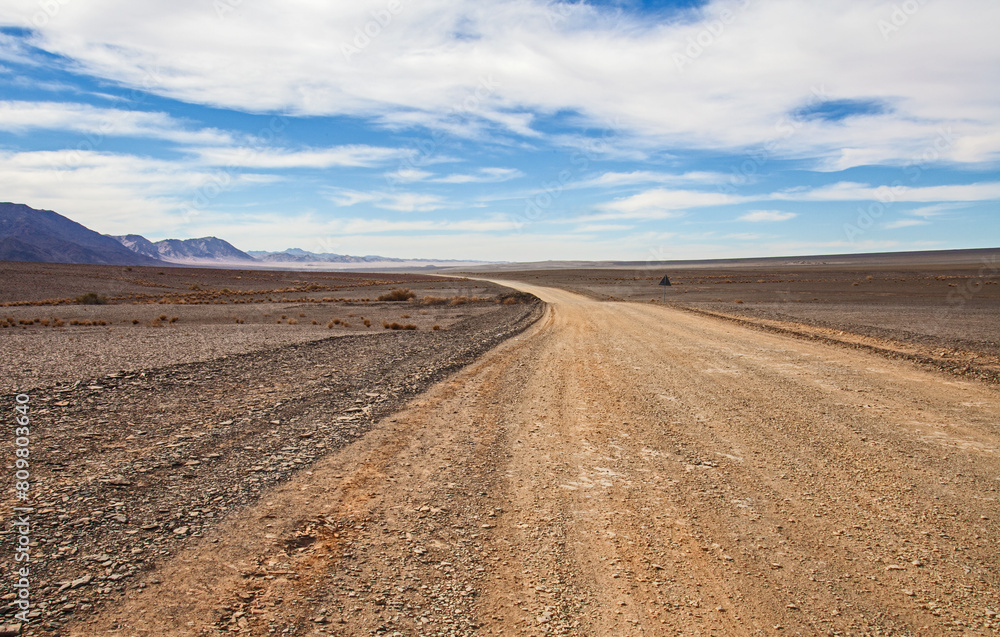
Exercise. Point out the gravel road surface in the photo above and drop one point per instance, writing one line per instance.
(622, 469)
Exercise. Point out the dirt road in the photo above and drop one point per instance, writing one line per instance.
(624, 469)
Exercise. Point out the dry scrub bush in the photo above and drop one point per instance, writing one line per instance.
(91, 298)
(399, 294)
(397, 326)
(293, 322)
(367, 323)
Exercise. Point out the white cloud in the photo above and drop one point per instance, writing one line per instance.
(251, 156)
(904, 223)
(756, 216)
(408, 175)
(106, 192)
(483, 175)
(850, 191)
(616, 179)
(602, 227)
(398, 201)
(659, 203)
(926, 212)
(471, 64)
(98, 123)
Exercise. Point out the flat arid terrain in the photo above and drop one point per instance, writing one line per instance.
(802, 449)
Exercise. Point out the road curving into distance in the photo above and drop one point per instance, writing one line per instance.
(624, 469)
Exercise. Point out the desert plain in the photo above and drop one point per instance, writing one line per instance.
(793, 448)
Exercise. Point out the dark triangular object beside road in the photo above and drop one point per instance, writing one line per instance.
(665, 280)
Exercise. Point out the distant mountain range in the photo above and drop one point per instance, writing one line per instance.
(205, 249)
(27, 234)
(295, 255)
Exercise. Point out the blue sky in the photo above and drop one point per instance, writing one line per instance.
(510, 129)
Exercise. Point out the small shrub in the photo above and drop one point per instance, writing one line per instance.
(399, 294)
(367, 323)
(174, 319)
(436, 328)
(91, 298)
(58, 322)
(510, 301)
(397, 326)
(336, 321)
(135, 321)
(346, 324)
(156, 323)
(433, 300)
(293, 322)
(163, 317)
(315, 322)
(738, 301)
(404, 316)
(44, 322)
(284, 316)
(302, 314)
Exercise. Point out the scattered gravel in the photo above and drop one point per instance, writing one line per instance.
(128, 466)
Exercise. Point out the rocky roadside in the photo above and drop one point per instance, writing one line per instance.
(130, 467)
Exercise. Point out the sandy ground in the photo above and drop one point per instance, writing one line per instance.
(623, 469)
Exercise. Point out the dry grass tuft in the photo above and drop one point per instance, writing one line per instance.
(399, 294)
(91, 298)
(397, 326)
